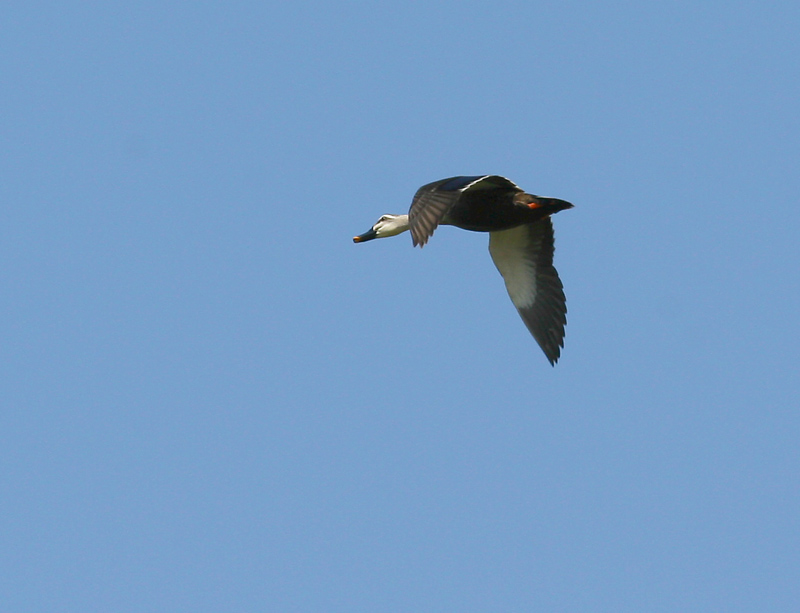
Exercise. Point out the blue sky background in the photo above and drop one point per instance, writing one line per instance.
(213, 400)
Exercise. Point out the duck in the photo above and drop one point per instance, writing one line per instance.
(521, 242)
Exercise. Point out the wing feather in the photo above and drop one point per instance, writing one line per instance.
(428, 209)
(524, 257)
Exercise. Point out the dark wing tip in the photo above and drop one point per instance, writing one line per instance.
(546, 321)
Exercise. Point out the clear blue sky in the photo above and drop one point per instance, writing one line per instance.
(212, 400)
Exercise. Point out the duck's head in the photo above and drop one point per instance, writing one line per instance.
(387, 225)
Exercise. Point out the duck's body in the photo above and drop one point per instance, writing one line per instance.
(520, 242)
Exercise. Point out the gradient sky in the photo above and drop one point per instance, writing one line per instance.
(212, 400)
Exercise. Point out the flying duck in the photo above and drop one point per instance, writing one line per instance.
(520, 242)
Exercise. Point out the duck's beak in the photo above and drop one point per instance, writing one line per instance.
(552, 205)
(367, 236)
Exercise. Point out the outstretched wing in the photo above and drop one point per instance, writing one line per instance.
(432, 201)
(524, 256)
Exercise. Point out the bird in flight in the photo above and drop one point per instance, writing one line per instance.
(520, 242)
